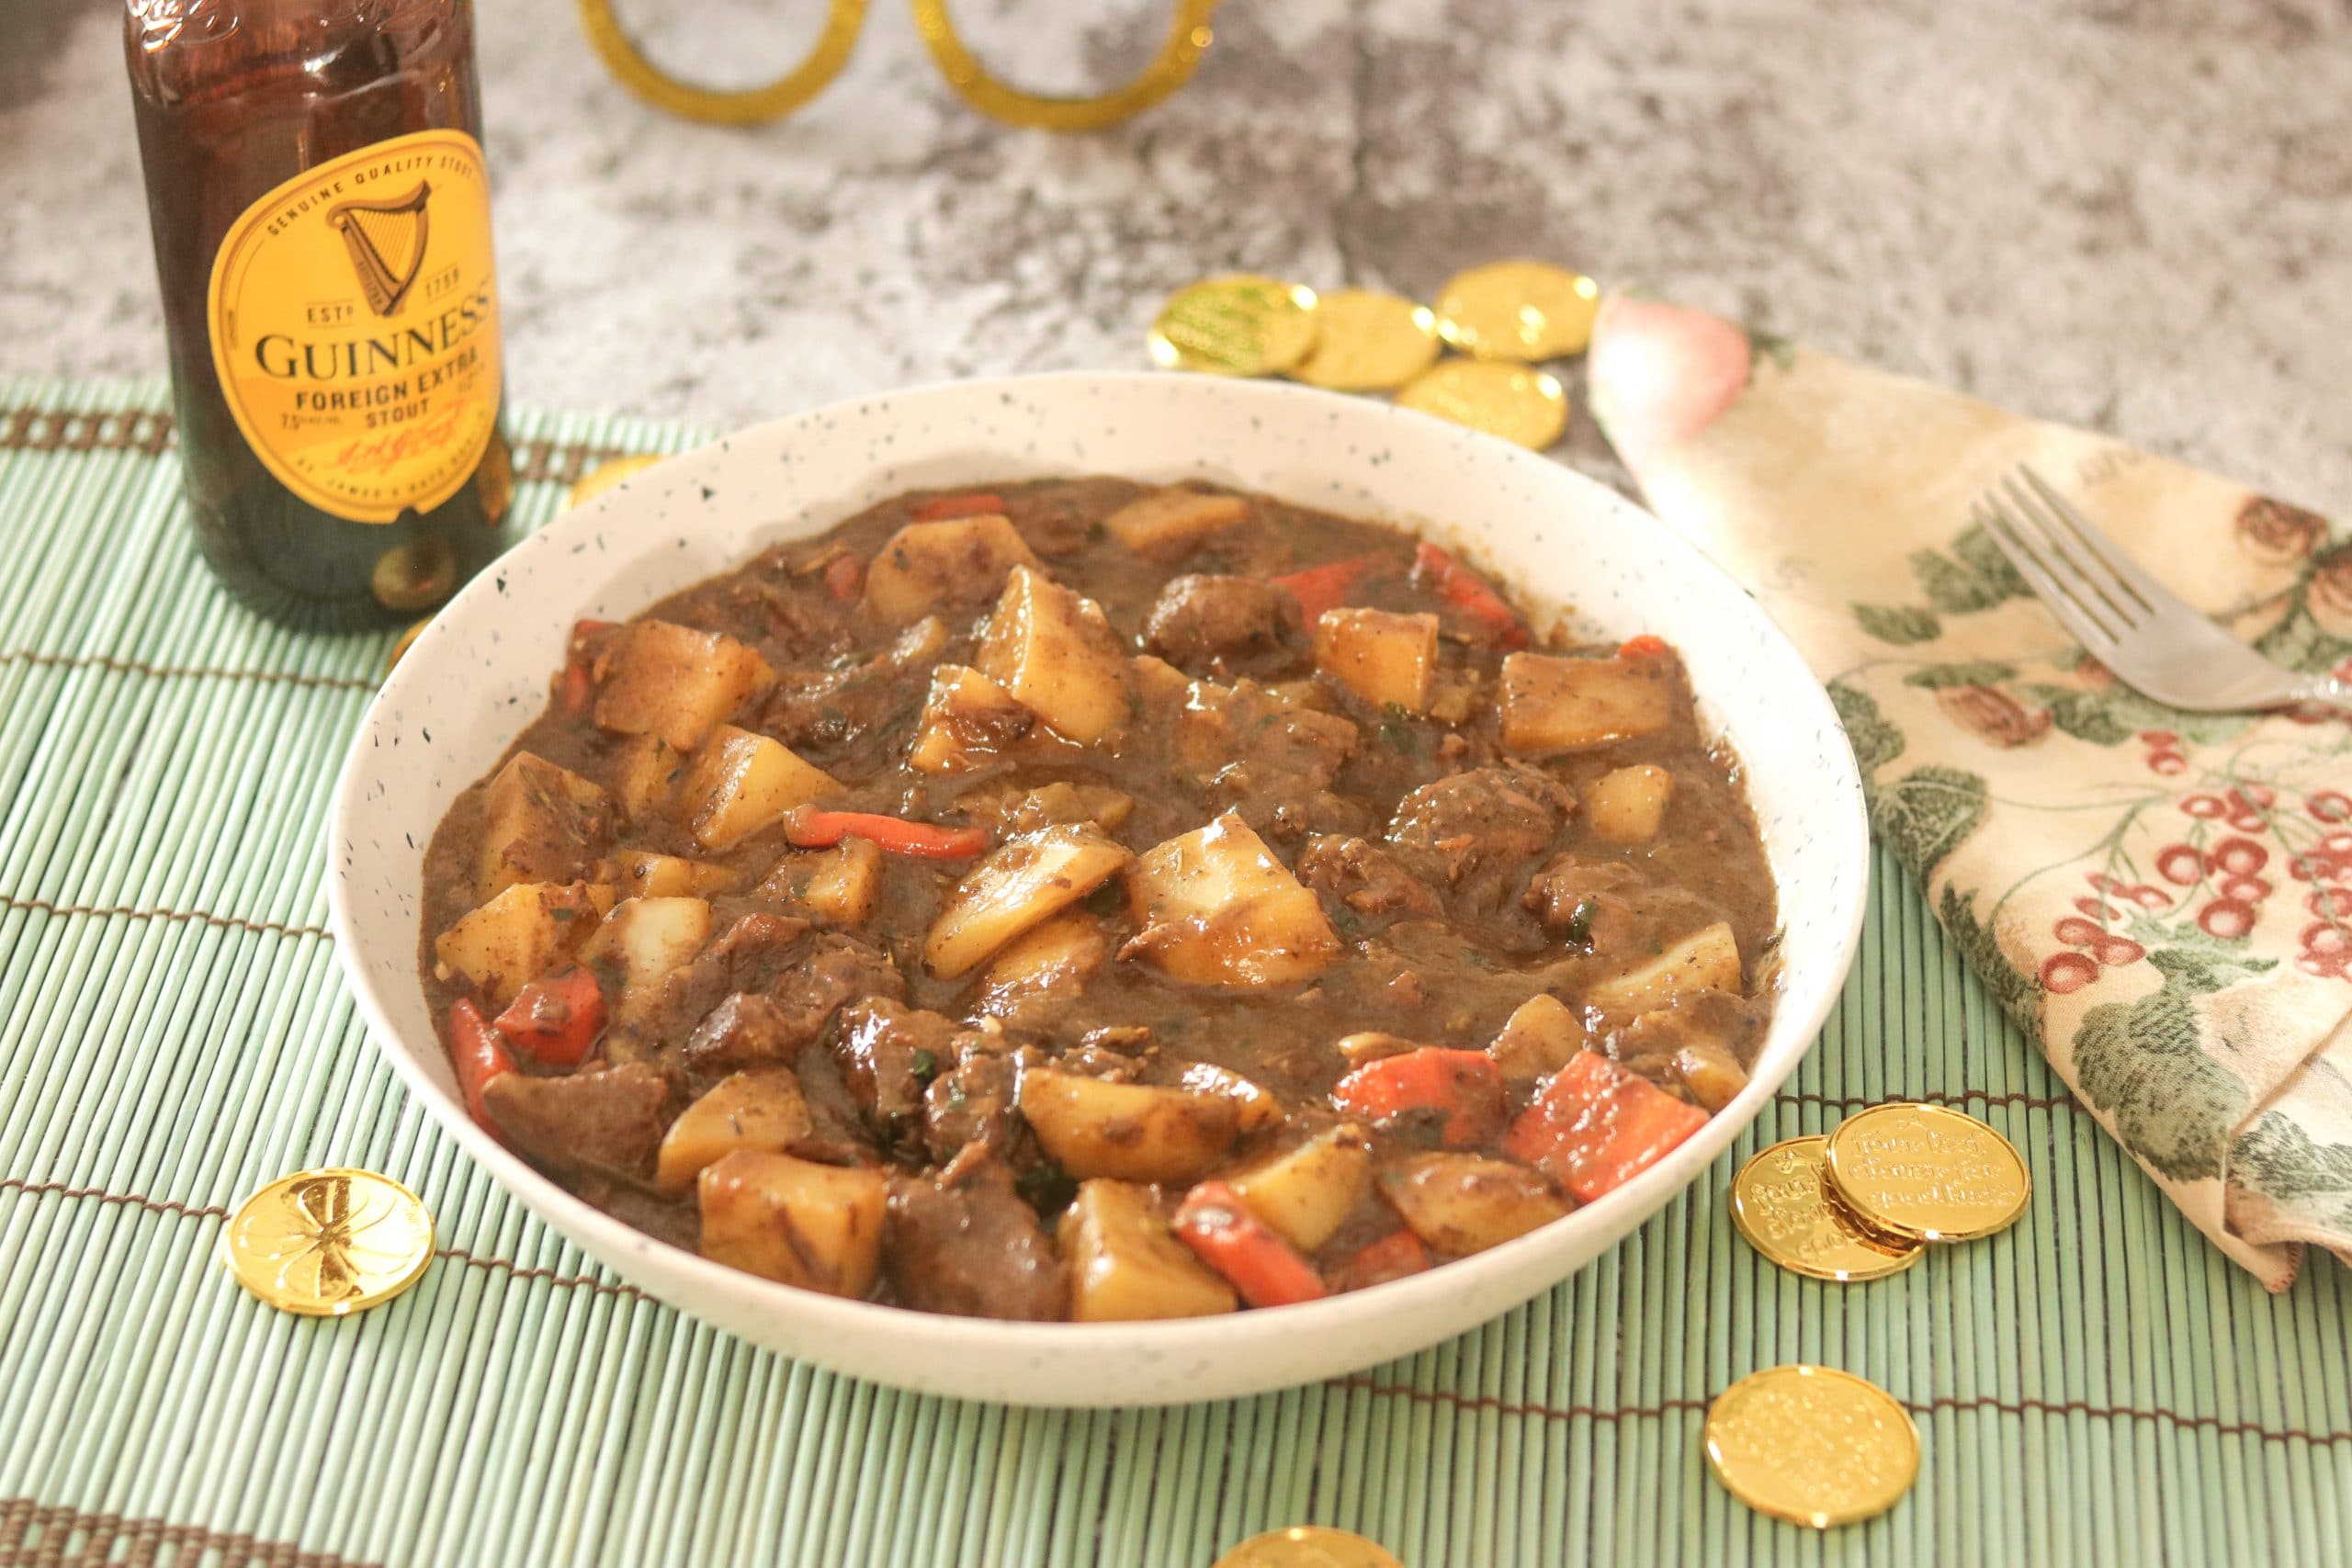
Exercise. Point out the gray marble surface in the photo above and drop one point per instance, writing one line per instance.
(2129, 214)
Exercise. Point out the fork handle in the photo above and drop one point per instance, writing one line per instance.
(2323, 689)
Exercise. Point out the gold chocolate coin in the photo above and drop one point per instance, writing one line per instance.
(408, 640)
(1309, 1546)
(1366, 341)
(1812, 1445)
(604, 476)
(325, 1243)
(1927, 1172)
(1237, 325)
(1781, 1202)
(1510, 400)
(1518, 309)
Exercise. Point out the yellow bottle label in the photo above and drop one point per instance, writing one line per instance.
(355, 326)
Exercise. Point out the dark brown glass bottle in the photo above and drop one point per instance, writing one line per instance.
(321, 229)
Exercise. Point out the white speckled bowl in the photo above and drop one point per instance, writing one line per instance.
(481, 669)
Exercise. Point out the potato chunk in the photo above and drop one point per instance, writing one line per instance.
(1627, 805)
(1125, 1264)
(644, 874)
(1384, 658)
(1254, 1103)
(1463, 1203)
(1156, 683)
(1217, 908)
(1307, 1191)
(1708, 961)
(967, 722)
(843, 884)
(1559, 704)
(926, 566)
(647, 938)
(760, 1109)
(1134, 1132)
(1168, 525)
(539, 823)
(642, 771)
(1025, 881)
(1057, 656)
(744, 782)
(816, 1226)
(1068, 948)
(524, 932)
(1537, 1040)
(656, 677)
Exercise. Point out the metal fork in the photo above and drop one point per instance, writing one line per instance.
(2155, 640)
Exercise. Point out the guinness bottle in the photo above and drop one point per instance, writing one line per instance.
(322, 223)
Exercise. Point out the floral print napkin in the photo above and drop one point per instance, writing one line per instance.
(2163, 899)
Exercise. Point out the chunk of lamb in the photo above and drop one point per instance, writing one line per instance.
(1363, 877)
(604, 1122)
(1256, 754)
(818, 710)
(1611, 907)
(972, 1102)
(1470, 830)
(888, 1054)
(1203, 622)
(802, 983)
(968, 1243)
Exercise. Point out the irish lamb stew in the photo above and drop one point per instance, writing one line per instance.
(1082, 901)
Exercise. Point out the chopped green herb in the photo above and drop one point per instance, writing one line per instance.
(1096, 533)
(1348, 920)
(924, 1065)
(1396, 730)
(562, 913)
(1579, 929)
(1047, 1186)
(1106, 899)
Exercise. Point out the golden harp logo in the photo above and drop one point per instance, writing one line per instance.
(386, 240)
(372, 402)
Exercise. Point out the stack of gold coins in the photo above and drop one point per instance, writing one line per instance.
(1505, 319)
(1866, 1201)
(1814, 1445)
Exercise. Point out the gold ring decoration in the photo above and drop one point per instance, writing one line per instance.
(1179, 55)
(749, 106)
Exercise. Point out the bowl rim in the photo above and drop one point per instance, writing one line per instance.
(603, 1235)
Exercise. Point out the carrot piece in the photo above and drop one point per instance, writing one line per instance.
(1222, 1231)
(940, 508)
(1463, 1084)
(1393, 1257)
(806, 828)
(844, 575)
(1469, 592)
(575, 689)
(1644, 646)
(578, 684)
(480, 1053)
(557, 1018)
(1596, 1126)
(1325, 587)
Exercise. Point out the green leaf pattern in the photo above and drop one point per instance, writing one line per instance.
(1926, 814)
(2069, 947)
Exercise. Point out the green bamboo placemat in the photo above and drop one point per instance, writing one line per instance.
(2094, 1386)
